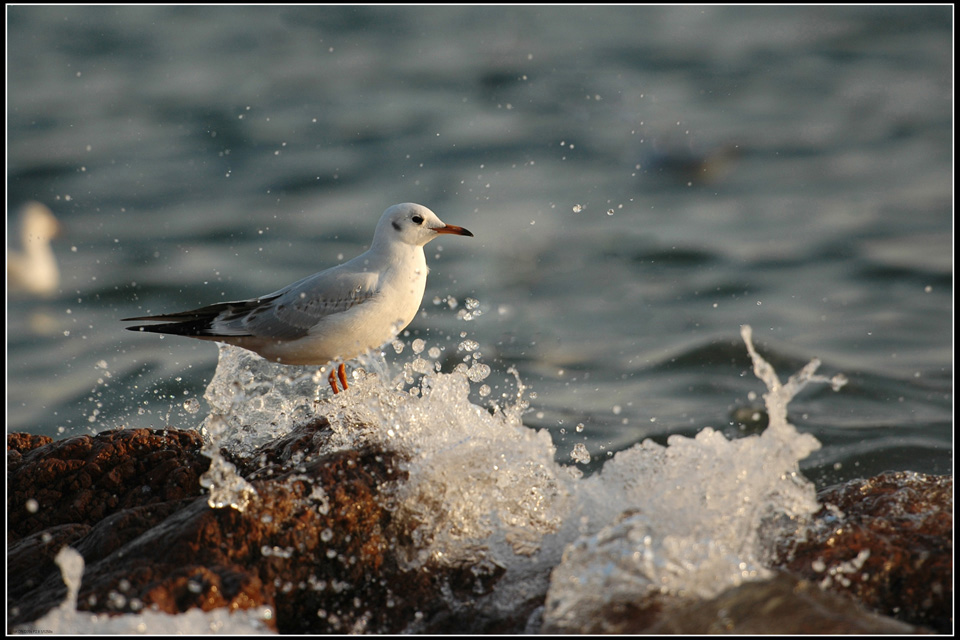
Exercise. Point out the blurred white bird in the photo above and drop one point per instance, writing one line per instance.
(34, 269)
(336, 314)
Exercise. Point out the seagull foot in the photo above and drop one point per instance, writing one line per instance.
(339, 372)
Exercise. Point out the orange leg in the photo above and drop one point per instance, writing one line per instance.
(341, 373)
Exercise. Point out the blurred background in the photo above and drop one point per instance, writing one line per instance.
(640, 180)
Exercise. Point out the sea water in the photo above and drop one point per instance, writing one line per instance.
(201, 154)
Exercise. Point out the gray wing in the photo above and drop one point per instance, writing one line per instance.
(292, 311)
(286, 314)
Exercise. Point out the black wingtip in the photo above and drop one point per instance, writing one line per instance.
(150, 328)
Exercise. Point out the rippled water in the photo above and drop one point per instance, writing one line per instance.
(641, 181)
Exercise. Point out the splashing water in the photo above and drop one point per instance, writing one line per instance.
(225, 487)
(686, 519)
(482, 486)
(484, 490)
(71, 569)
(259, 400)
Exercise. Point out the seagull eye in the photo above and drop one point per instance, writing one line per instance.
(417, 219)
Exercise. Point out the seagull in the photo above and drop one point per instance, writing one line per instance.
(334, 315)
(34, 270)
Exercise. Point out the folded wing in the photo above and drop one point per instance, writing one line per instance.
(287, 314)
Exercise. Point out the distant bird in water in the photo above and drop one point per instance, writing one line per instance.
(33, 269)
(684, 165)
(336, 314)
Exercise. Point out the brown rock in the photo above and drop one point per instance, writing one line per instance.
(30, 560)
(24, 442)
(316, 544)
(94, 493)
(887, 542)
(84, 479)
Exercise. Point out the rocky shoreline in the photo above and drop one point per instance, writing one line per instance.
(321, 547)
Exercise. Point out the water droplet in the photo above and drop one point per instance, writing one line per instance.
(468, 345)
(478, 372)
(580, 454)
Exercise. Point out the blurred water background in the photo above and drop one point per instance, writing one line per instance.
(641, 181)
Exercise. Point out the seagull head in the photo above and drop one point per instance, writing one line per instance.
(37, 223)
(410, 223)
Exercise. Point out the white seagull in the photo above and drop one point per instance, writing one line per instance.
(333, 315)
(34, 270)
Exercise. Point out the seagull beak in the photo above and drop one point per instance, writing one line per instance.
(449, 228)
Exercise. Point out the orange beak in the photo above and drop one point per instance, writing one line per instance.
(460, 231)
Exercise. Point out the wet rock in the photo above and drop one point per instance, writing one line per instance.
(784, 605)
(20, 443)
(887, 542)
(84, 479)
(94, 493)
(30, 560)
(317, 543)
